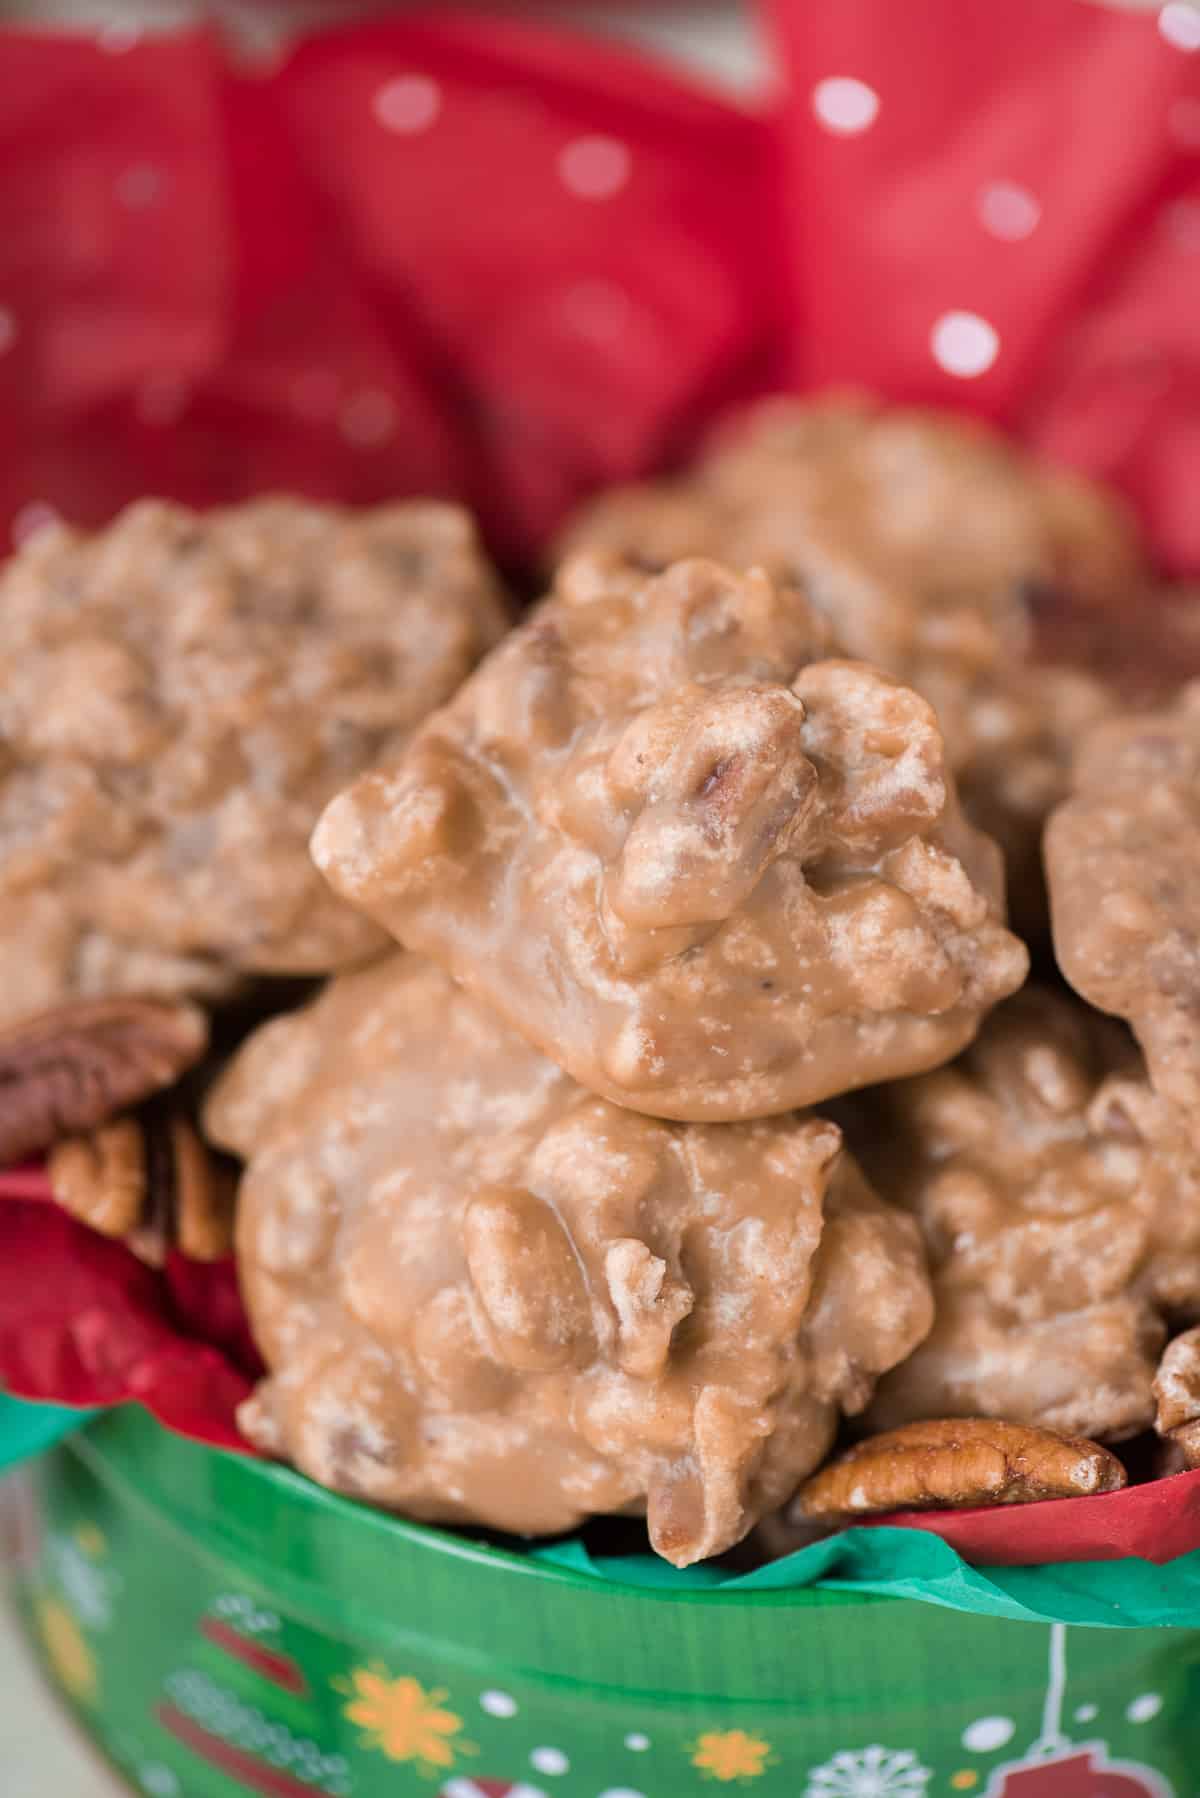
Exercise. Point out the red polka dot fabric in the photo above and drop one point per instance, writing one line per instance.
(444, 257)
(445, 254)
(998, 208)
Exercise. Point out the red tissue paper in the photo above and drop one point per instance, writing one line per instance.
(84, 1322)
(441, 253)
(1156, 1522)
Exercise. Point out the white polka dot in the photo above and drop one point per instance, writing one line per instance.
(988, 1734)
(1145, 1708)
(1086, 1713)
(845, 105)
(1008, 210)
(549, 1760)
(8, 329)
(115, 39)
(368, 418)
(1181, 220)
(498, 1704)
(598, 310)
(37, 516)
(964, 344)
(158, 1780)
(1179, 23)
(161, 399)
(621, 1792)
(594, 168)
(139, 186)
(637, 1741)
(408, 105)
(1183, 121)
(260, 46)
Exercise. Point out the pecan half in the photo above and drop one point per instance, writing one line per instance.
(1177, 1390)
(956, 1462)
(70, 1069)
(150, 1180)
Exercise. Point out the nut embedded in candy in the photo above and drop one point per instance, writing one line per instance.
(710, 871)
(1060, 1205)
(1177, 1390)
(955, 1463)
(486, 1296)
(1123, 866)
(938, 551)
(931, 543)
(179, 697)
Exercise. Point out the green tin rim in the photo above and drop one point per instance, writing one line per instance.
(307, 1549)
(127, 1448)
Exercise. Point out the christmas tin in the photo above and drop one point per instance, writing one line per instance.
(223, 1627)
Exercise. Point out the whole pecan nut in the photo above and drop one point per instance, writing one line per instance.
(70, 1069)
(1177, 1391)
(150, 1180)
(955, 1463)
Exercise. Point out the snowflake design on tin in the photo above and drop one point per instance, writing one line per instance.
(86, 1587)
(870, 1773)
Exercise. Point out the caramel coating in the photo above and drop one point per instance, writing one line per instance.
(1023, 727)
(925, 537)
(957, 1462)
(710, 874)
(1123, 866)
(487, 1297)
(1177, 1392)
(179, 697)
(938, 551)
(1060, 1207)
